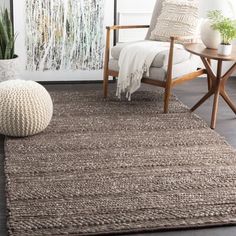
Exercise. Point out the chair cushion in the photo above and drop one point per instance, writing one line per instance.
(154, 73)
(161, 59)
(160, 73)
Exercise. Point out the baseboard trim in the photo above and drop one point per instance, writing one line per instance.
(91, 82)
(73, 82)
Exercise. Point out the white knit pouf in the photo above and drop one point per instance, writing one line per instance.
(25, 108)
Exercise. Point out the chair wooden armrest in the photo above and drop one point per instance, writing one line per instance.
(117, 27)
(189, 37)
(107, 48)
(172, 42)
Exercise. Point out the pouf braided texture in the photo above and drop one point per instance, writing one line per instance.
(26, 108)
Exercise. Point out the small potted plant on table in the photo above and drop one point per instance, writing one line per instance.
(8, 59)
(227, 29)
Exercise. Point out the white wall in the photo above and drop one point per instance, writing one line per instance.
(139, 5)
(227, 6)
(134, 12)
(5, 3)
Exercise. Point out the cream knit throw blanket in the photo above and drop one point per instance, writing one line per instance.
(135, 60)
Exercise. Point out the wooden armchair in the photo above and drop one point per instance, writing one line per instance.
(165, 76)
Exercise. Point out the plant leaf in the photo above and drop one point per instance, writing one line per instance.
(3, 40)
(7, 37)
(3, 34)
(1, 54)
(8, 52)
(8, 24)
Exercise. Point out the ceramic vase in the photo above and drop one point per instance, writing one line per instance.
(211, 38)
(9, 69)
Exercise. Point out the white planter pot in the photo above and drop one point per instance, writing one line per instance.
(224, 50)
(9, 69)
(211, 38)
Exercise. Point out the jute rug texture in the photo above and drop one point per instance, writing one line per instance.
(110, 166)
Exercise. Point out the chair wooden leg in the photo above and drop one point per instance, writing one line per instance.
(167, 99)
(169, 76)
(105, 84)
(106, 63)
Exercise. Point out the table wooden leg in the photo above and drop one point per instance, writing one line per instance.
(229, 73)
(216, 86)
(215, 108)
(210, 93)
(209, 79)
(227, 99)
(207, 64)
(217, 93)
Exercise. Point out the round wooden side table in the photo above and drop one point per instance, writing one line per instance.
(218, 81)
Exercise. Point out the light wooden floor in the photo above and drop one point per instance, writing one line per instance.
(188, 93)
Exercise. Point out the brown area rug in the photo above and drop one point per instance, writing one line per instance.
(112, 167)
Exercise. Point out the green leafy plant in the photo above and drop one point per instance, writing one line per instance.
(7, 37)
(225, 25)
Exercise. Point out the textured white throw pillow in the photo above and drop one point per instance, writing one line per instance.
(177, 18)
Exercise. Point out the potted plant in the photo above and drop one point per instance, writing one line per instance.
(227, 29)
(8, 59)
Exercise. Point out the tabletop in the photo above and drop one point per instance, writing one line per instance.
(200, 50)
